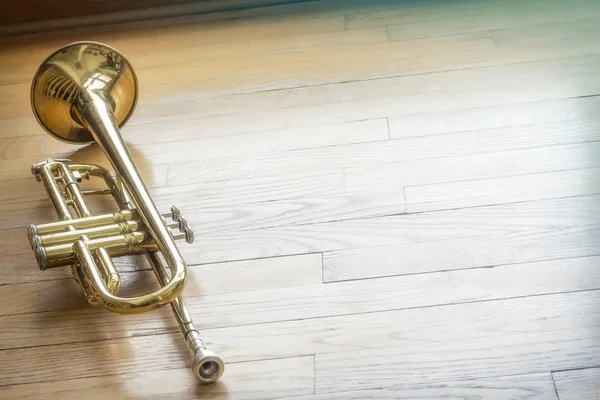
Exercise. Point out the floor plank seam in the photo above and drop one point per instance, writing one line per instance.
(554, 385)
(441, 271)
(486, 152)
(389, 131)
(314, 374)
(505, 176)
(382, 215)
(398, 76)
(497, 204)
(577, 369)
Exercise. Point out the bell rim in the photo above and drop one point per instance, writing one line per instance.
(39, 71)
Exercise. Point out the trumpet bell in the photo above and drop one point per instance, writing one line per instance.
(81, 66)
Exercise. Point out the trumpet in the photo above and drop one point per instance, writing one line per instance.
(83, 93)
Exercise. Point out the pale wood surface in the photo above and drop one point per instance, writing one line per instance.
(392, 200)
(582, 384)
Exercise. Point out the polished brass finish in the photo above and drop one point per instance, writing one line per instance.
(83, 93)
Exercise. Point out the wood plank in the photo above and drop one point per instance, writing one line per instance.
(582, 384)
(268, 379)
(519, 353)
(477, 166)
(416, 21)
(283, 186)
(38, 16)
(396, 151)
(28, 190)
(243, 49)
(299, 211)
(164, 35)
(163, 149)
(209, 219)
(510, 189)
(208, 279)
(530, 114)
(447, 340)
(20, 166)
(249, 307)
(518, 387)
(19, 215)
(526, 218)
(455, 253)
(474, 87)
(190, 131)
(268, 142)
(23, 268)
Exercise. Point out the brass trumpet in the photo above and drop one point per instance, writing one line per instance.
(83, 93)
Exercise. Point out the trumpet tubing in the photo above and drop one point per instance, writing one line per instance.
(83, 93)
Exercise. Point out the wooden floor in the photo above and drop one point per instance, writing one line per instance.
(392, 200)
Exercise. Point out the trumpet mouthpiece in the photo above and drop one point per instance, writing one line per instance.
(207, 366)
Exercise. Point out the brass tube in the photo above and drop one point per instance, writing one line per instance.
(125, 305)
(121, 197)
(108, 270)
(83, 223)
(95, 232)
(207, 366)
(97, 116)
(46, 173)
(72, 189)
(62, 255)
